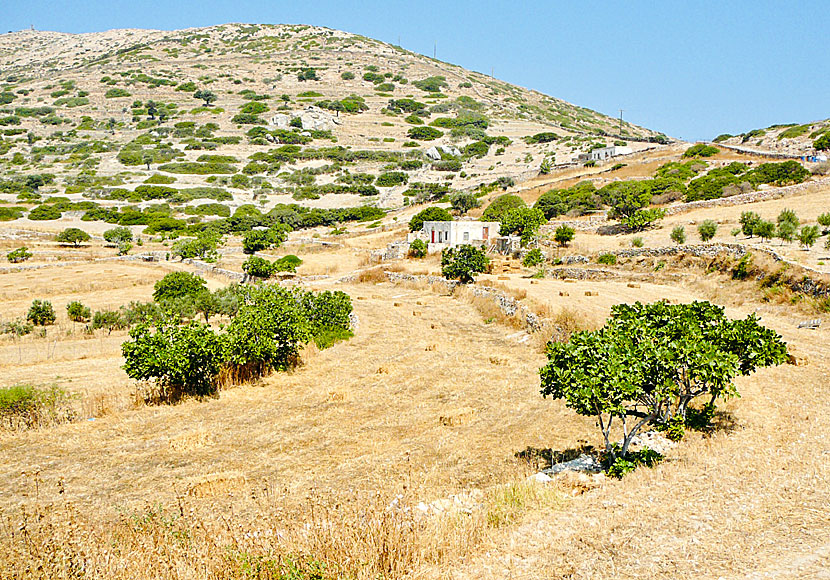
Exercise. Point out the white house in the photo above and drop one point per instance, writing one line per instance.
(605, 153)
(456, 233)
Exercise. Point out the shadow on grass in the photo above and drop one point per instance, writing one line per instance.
(540, 459)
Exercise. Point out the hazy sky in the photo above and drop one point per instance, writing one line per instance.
(690, 69)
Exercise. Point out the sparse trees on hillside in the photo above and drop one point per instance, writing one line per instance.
(72, 236)
(208, 97)
(707, 230)
(563, 235)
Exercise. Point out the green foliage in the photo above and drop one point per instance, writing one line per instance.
(424, 133)
(195, 168)
(808, 236)
(749, 221)
(257, 240)
(786, 173)
(741, 269)
(538, 138)
(350, 104)
(642, 219)
(208, 97)
(72, 236)
(701, 150)
(580, 198)
(45, 213)
(8, 214)
(77, 312)
(119, 235)
(116, 93)
(533, 258)
(431, 84)
(430, 214)
(203, 246)
(522, 221)
(651, 360)
(257, 267)
(824, 220)
(707, 230)
(822, 143)
(29, 407)
(41, 313)
(406, 106)
(417, 249)
(764, 230)
(21, 254)
(178, 285)
(463, 263)
(625, 198)
(563, 235)
(159, 179)
(501, 206)
(678, 235)
(347, 75)
(391, 179)
(607, 259)
(307, 74)
(463, 202)
(184, 360)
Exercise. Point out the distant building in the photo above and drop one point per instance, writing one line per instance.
(605, 153)
(456, 233)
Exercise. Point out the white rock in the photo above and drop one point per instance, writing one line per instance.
(540, 478)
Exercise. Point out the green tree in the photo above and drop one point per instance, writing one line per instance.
(499, 207)
(824, 221)
(177, 285)
(429, 214)
(463, 263)
(533, 258)
(808, 236)
(523, 221)
(786, 231)
(463, 202)
(183, 360)
(563, 235)
(41, 313)
(72, 236)
(822, 143)
(257, 267)
(207, 96)
(650, 361)
(625, 198)
(77, 312)
(678, 235)
(21, 254)
(765, 230)
(707, 230)
(749, 219)
(417, 249)
(152, 109)
(119, 235)
(257, 240)
(203, 246)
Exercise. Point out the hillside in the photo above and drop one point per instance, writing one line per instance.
(91, 109)
(788, 139)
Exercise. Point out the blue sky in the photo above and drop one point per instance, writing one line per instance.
(690, 69)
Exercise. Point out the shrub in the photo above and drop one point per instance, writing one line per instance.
(642, 219)
(464, 202)
(347, 75)
(30, 407)
(741, 269)
(538, 138)
(707, 230)
(254, 241)
(77, 312)
(637, 242)
(430, 214)
(463, 263)
(424, 133)
(257, 267)
(417, 249)
(764, 230)
(501, 206)
(21, 254)
(678, 235)
(533, 258)
(8, 214)
(651, 360)
(824, 220)
(203, 246)
(41, 313)
(119, 235)
(522, 221)
(178, 285)
(288, 263)
(431, 84)
(785, 173)
(72, 236)
(808, 236)
(749, 220)
(45, 213)
(701, 150)
(607, 259)
(116, 93)
(563, 235)
(391, 178)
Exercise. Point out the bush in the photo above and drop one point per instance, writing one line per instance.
(749, 220)
(701, 150)
(650, 361)
(431, 84)
(45, 213)
(707, 230)
(21, 254)
(288, 263)
(522, 221)
(72, 236)
(538, 138)
(347, 75)
(424, 133)
(808, 236)
(678, 235)
(30, 407)
(77, 312)
(464, 202)
(463, 263)
(417, 249)
(391, 178)
(116, 93)
(788, 172)
(430, 214)
(257, 267)
(533, 258)
(254, 241)
(563, 235)
(607, 259)
(637, 242)
(501, 206)
(119, 235)
(41, 313)
(178, 285)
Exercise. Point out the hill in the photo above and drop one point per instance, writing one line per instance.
(785, 139)
(92, 109)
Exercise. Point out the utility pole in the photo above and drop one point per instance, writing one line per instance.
(492, 70)
(621, 112)
(435, 49)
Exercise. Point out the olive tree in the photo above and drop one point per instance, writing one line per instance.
(563, 235)
(72, 236)
(463, 263)
(650, 361)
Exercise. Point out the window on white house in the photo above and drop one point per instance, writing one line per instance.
(466, 236)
